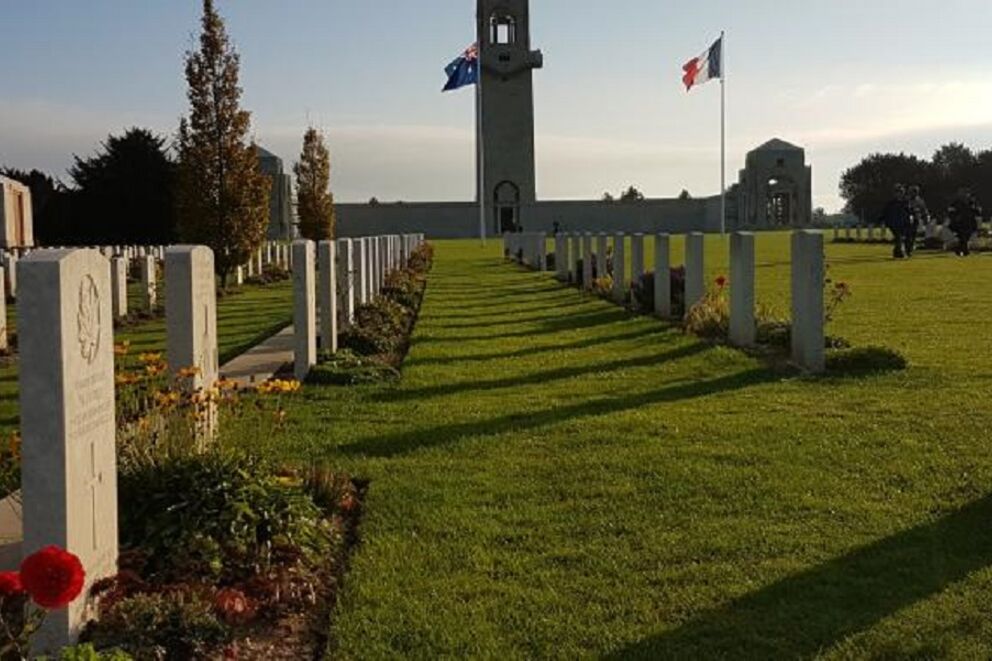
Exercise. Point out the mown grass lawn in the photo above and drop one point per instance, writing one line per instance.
(244, 318)
(557, 478)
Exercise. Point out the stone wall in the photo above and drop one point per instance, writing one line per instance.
(454, 220)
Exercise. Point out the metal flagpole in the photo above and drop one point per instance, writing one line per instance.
(723, 134)
(479, 146)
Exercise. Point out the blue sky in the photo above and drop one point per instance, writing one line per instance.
(839, 77)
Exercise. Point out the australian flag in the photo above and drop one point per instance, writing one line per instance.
(464, 70)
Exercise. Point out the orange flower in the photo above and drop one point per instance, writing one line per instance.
(122, 348)
(154, 369)
(189, 372)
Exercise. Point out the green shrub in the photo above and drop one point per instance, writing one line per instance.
(603, 287)
(346, 368)
(214, 516)
(421, 259)
(379, 328)
(405, 287)
(865, 360)
(642, 292)
(710, 317)
(271, 273)
(173, 625)
(86, 652)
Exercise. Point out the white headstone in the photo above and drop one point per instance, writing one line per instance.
(346, 282)
(4, 342)
(148, 281)
(68, 425)
(191, 320)
(695, 276)
(620, 268)
(636, 258)
(602, 247)
(561, 266)
(742, 322)
(304, 309)
(10, 268)
(576, 253)
(587, 261)
(808, 350)
(327, 299)
(663, 276)
(118, 285)
(360, 247)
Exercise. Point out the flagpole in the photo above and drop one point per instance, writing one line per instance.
(479, 148)
(723, 133)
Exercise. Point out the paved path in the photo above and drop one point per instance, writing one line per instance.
(262, 361)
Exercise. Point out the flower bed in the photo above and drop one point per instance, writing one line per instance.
(374, 346)
(223, 554)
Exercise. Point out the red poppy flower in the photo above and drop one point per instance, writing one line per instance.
(721, 281)
(53, 577)
(233, 606)
(10, 584)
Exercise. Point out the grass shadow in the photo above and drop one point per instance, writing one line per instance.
(533, 351)
(547, 376)
(804, 614)
(392, 445)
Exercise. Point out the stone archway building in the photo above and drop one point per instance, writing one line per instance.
(775, 188)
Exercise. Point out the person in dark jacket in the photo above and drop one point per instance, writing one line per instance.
(896, 217)
(919, 216)
(964, 213)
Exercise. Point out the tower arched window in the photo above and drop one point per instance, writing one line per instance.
(503, 29)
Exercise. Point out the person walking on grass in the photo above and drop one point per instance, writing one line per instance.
(896, 217)
(919, 216)
(964, 213)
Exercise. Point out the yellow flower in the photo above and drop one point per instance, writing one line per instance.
(167, 398)
(122, 348)
(154, 369)
(149, 358)
(189, 372)
(274, 386)
(226, 384)
(126, 379)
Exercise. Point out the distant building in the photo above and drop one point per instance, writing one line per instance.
(282, 219)
(16, 217)
(774, 188)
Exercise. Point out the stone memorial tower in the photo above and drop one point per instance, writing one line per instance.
(506, 112)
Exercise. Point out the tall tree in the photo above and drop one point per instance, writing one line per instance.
(314, 201)
(631, 195)
(868, 186)
(222, 197)
(125, 191)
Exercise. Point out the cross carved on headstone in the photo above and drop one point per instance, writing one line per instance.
(95, 479)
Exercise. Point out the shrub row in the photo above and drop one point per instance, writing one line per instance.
(374, 345)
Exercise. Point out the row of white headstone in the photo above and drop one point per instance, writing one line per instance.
(333, 278)
(873, 233)
(67, 399)
(575, 254)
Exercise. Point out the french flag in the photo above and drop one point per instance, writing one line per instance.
(706, 67)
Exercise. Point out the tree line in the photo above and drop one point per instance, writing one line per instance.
(206, 188)
(869, 185)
